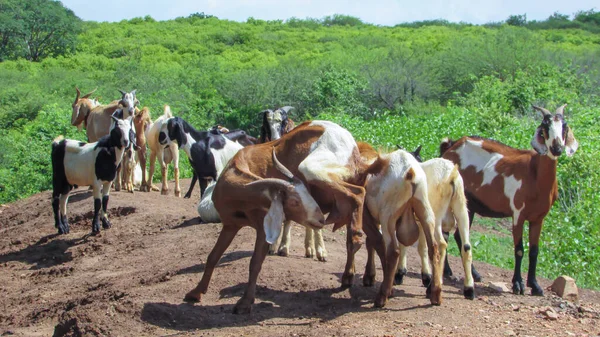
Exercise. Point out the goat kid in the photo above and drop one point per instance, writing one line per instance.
(501, 181)
(76, 163)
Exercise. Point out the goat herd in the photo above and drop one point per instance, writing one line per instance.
(302, 173)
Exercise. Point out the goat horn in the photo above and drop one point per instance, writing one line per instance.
(282, 168)
(78, 94)
(270, 183)
(544, 111)
(89, 93)
(286, 108)
(560, 110)
(122, 92)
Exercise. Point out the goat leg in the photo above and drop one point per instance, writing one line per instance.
(244, 305)
(225, 237)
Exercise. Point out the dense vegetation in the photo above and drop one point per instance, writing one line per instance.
(409, 85)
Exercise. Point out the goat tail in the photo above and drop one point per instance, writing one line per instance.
(452, 179)
(445, 145)
(167, 112)
(57, 140)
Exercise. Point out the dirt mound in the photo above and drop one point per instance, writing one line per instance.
(130, 281)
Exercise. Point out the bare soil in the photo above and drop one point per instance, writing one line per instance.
(130, 281)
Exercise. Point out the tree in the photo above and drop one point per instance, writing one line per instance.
(36, 29)
(517, 20)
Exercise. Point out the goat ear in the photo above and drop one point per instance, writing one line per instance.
(571, 143)
(133, 92)
(274, 219)
(178, 134)
(418, 150)
(122, 92)
(538, 142)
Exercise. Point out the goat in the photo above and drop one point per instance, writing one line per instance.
(275, 124)
(501, 181)
(97, 119)
(131, 171)
(142, 123)
(77, 163)
(447, 198)
(394, 196)
(166, 155)
(210, 151)
(207, 152)
(321, 157)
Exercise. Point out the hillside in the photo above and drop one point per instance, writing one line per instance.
(131, 279)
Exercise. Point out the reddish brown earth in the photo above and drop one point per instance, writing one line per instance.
(131, 279)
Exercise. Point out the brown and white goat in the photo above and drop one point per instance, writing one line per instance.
(164, 154)
(501, 181)
(321, 156)
(394, 197)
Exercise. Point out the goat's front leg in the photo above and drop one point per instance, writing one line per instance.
(118, 178)
(164, 172)
(423, 253)
(175, 153)
(225, 237)
(518, 287)
(319, 244)
(244, 305)
(97, 193)
(105, 192)
(285, 239)
(192, 184)
(149, 185)
(144, 187)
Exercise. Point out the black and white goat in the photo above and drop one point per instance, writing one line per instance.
(76, 163)
(207, 151)
(275, 123)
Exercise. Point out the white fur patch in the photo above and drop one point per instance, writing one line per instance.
(273, 220)
(511, 186)
(224, 155)
(329, 154)
(471, 153)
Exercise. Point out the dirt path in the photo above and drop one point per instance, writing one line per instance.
(130, 281)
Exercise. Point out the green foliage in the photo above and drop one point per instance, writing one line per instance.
(36, 29)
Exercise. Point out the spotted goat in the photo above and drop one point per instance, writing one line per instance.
(76, 163)
(501, 181)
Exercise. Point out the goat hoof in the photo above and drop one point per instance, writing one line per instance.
(177, 193)
(164, 191)
(469, 293)
(476, 276)
(106, 224)
(243, 307)
(154, 188)
(347, 280)
(448, 273)
(368, 280)
(283, 251)
(399, 277)
(322, 258)
(536, 290)
(436, 296)
(426, 279)
(428, 292)
(518, 288)
(191, 298)
(380, 300)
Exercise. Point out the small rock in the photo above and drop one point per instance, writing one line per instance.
(509, 333)
(429, 324)
(498, 286)
(565, 287)
(549, 313)
(515, 307)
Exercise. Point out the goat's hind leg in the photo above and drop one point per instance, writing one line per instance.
(97, 193)
(244, 305)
